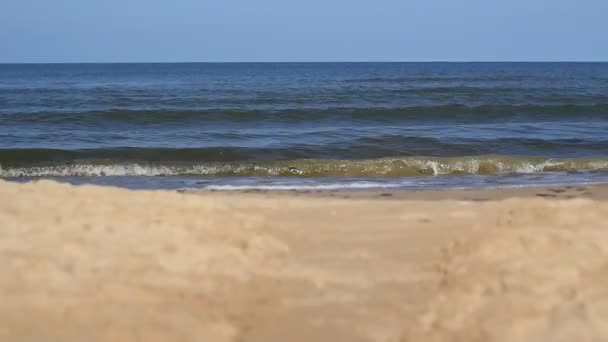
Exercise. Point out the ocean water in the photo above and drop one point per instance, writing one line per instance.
(305, 125)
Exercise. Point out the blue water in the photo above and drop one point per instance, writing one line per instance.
(305, 125)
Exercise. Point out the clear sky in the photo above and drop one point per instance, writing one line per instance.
(302, 30)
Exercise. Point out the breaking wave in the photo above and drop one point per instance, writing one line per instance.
(382, 167)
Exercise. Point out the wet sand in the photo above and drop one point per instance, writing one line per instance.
(595, 192)
(103, 264)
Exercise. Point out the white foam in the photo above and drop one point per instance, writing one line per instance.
(87, 170)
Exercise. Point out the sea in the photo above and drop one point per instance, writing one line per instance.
(305, 126)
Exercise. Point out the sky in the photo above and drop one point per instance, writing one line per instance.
(42, 31)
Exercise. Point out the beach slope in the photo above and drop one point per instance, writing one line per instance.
(104, 264)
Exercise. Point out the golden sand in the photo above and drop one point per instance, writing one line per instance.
(102, 264)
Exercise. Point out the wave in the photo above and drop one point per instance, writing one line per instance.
(330, 146)
(430, 113)
(455, 78)
(382, 167)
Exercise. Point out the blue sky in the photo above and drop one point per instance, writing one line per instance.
(303, 30)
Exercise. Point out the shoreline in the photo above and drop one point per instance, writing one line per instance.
(592, 191)
(109, 264)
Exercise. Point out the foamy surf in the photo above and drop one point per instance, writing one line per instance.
(204, 183)
(307, 168)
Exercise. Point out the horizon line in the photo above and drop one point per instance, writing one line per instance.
(314, 62)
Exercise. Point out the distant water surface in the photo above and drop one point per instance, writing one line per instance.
(305, 125)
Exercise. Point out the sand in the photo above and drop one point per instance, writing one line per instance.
(102, 264)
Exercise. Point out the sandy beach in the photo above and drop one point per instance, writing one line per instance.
(93, 263)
